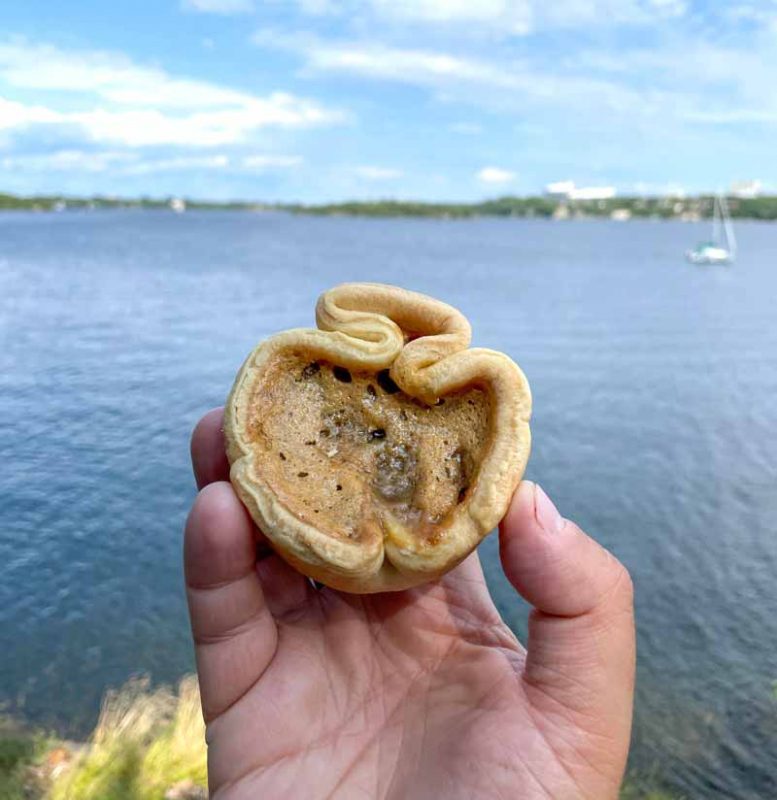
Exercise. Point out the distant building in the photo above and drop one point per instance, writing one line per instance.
(566, 190)
(620, 214)
(746, 189)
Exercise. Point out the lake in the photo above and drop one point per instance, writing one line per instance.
(654, 427)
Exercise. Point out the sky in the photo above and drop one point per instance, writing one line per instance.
(326, 100)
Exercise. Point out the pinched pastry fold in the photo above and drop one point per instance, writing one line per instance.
(376, 451)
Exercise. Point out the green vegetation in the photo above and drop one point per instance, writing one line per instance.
(147, 745)
(10, 202)
(21, 752)
(637, 787)
(686, 208)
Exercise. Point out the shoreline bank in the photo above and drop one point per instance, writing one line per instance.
(620, 209)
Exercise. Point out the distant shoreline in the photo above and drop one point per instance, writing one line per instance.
(686, 209)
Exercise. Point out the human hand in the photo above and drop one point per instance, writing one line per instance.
(418, 694)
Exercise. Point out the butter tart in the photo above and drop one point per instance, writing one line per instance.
(376, 451)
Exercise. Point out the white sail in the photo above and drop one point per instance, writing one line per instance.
(728, 228)
(717, 251)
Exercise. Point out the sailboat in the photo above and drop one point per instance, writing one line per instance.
(717, 251)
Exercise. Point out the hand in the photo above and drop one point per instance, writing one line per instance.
(419, 694)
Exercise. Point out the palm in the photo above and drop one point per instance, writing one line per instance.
(424, 693)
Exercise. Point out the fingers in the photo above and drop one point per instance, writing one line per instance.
(209, 458)
(581, 655)
(549, 560)
(284, 588)
(234, 633)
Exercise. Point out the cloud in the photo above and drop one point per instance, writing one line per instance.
(122, 102)
(225, 7)
(262, 162)
(504, 18)
(512, 17)
(605, 13)
(495, 175)
(177, 164)
(652, 90)
(372, 173)
(712, 83)
(376, 60)
(67, 161)
(509, 82)
(17, 115)
(134, 163)
(669, 8)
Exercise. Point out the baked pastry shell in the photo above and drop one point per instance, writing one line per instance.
(424, 344)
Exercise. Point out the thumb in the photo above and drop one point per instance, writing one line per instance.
(235, 636)
(581, 649)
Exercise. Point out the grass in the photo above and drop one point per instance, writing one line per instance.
(20, 752)
(634, 789)
(145, 742)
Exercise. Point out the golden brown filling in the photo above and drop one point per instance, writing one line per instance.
(342, 448)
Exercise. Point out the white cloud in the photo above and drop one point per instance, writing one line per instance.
(513, 16)
(177, 164)
(711, 83)
(604, 13)
(262, 162)
(138, 106)
(133, 163)
(669, 8)
(495, 175)
(225, 7)
(372, 173)
(762, 14)
(504, 17)
(508, 82)
(67, 161)
(688, 81)
(16, 115)
(376, 60)
(109, 76)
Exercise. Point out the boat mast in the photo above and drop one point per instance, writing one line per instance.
(716, 220)
(728, 228)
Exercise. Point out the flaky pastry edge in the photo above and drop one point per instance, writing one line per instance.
(362, 326)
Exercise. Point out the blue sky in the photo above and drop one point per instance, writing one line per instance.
(318, 100)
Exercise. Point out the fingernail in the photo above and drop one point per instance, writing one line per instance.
(545, 512)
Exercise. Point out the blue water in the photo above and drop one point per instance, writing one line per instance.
(655, 426)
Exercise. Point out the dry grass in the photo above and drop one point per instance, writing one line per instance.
(145, 742)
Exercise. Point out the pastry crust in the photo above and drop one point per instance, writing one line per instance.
(368, 328)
